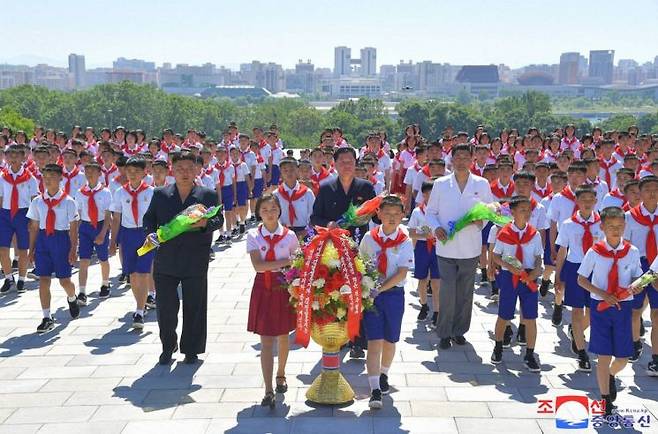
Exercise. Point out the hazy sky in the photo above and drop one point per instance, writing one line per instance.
(514, 32)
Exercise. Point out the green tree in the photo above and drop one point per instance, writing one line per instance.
(12, 119)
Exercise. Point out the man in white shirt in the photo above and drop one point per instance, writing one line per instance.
(452, 196)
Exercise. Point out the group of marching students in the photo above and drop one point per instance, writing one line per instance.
(584, 210)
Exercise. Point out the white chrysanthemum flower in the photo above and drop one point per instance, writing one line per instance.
(367, 282)
(296, 282)
(345, 289)
(315, 305)
(319, 283)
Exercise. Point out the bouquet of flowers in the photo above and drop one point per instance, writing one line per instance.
(641, 282)
(178, 225)
(492, 212)
(361, 215)
(523, 277)
(329, 281)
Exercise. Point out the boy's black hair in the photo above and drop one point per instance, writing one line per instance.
(577, 167)
(489, 168)
(51, 167)
(69, 151)
(121, 161)
(626, 171)
(559, 174)
(345, 150)
(427, 186)
(41, 150)
(461, 147)
(505, 162)
(518, 200)
(633, 182)
(93, 165)
(198, 160)
(183, 156)
(305, 163)
(524, 175)
(584, 189)
(162, 163)
(542, 164)
(391, 200)
(437, 162)
(645, 181)
(611, 212)
(136, 162)
(589, 161)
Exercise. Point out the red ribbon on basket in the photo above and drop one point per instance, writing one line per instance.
(313, 252)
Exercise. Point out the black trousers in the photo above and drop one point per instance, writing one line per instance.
(195, 312)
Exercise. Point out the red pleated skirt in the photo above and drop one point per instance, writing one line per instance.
(397, 183)
(270, 312)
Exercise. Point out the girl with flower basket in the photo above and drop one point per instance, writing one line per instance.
(271, 247)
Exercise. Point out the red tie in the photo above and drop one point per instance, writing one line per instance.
(568, 193)
(509, 236)
(606, 166)
(613, 274)
(270, 256)
(24, 177)
(92, 209)
(430, 241)
(588, 239)
(68, 176)
(644, 220)
(135, 200)
(296, 195)
(221, 168)
(382, 261)
(50, 216)
(106, 173)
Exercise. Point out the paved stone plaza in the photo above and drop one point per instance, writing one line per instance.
(94, 375)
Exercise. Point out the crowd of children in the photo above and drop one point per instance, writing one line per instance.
(584, 209)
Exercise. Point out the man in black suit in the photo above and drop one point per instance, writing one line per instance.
(182, 260)
(333, 200)
(335, 196)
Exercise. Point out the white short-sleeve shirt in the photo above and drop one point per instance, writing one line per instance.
(303, 206)
(26, 190)
(598, 267)
(571, 237)
(284, 249)
(561, 209)
(122, 203)
(399, 256)
(65, 212)
(531, 250)
(103, 199)
(636, 233)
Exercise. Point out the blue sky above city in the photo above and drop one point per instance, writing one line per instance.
(228, 33)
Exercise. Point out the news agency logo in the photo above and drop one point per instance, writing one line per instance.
(577, 411)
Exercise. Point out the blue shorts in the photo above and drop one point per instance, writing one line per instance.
(131, 240)
(649, 291)
(259, 185)
(611, 330)
(51, 254)
(509, 295)
(276, 175)
(86, 246)
(385, 320)
(425, 262)
(547, 249)
(574, 294)
(485, 233)
(242, 191)
(227, 197)
(16, 226)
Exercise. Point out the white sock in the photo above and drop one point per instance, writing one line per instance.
(71, 299)
(21, 278)
(105, 283)
(9, 276)
(152, 292)
(140, 312)
(46, 313)
(83, 290)
(373, 382)
(384, 369)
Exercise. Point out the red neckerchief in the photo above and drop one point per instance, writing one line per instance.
(221, 168)
(594, 183)
(134, 203)
(644, 220)
(92, 208)
(588, 239)
(382, 261)
(497, 189)
(68, 176)
(618, 194)
(51, 217)
(296, 195)
(426, 171)
(319, 176)
(568, 193)
(127, 150)
(533, 204)
(621, 153)
(613, 274)
(108, 172)
(39, 177)
(430, 241)
(262, 143)
(270, 256)
(509, 236)
(569, 141)
(208, 170)
(166, 148)
(476, 169)
(542, 192)
(606, 166)
(9, 178)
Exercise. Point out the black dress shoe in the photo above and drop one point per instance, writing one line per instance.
(165, 357)
(191, 359)
(460, 340)
(445, 344)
